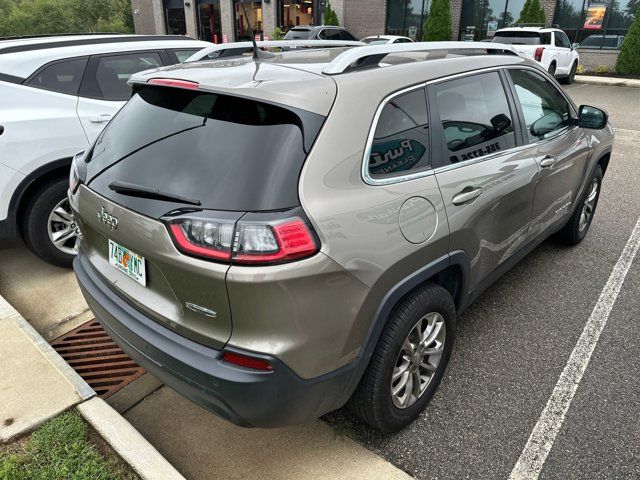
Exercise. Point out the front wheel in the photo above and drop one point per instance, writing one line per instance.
(578, 225)
(409, 361)
(48, 227)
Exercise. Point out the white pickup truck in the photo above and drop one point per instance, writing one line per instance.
(548, 46)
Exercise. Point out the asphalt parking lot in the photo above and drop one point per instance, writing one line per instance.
(514, 343)
(512, 347)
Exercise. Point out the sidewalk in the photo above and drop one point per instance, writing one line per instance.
(611, 81)
(37, 384)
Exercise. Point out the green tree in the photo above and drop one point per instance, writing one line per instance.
(629, 59)
(438, 25)
(330, 16)
(532, 13)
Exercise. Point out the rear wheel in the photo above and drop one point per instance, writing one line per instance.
(409, 361)
(578, 225)
(48, 227)
(552, 69)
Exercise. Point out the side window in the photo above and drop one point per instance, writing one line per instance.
(344, 35)
(546, 111)
(322, 35)
(333, 34)
(475, 116)
(114, 71)
(566, 43)
(63, 77)
(182, 55)
(558, 39)
(401, 139)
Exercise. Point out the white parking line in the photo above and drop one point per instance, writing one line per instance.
(534, 455)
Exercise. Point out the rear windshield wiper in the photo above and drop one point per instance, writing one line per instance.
(134, 190)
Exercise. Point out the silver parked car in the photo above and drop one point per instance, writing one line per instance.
(276, 237)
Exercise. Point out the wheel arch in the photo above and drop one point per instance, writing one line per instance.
(52, 170)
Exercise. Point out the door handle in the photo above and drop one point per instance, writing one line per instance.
(467, 195)
(548, 161)
(105, 117)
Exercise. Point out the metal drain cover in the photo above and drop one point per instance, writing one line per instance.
(97, 359)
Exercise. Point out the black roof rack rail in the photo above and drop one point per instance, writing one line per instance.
(90, 41)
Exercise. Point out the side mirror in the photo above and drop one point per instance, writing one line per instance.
(545, 124)
(574, 46)
(592, 117)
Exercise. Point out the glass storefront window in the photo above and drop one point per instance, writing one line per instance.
(297, 12)
(406, 18)
(174, 17)
(595, 23)
(253, 19)
(481, 18)
(209, 23)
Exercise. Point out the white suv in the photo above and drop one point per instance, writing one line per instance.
(548, 46)
(58, 93)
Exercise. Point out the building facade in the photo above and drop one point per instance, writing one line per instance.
(598, 25)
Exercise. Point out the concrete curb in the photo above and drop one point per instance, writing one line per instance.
(134, 449)
(610, 81)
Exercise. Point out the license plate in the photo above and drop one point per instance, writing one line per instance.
(128, 262)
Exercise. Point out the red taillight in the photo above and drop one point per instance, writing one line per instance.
(538, 54)
(288, 241)
(172, 82)
(246, 362)
(247, 242)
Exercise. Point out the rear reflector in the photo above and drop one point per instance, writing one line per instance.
(246, 362)
(171, 82)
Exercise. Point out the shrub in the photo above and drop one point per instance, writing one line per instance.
(438, 25)
(532, 12)
(580, 70)
(330, 17)
(629, 59)
(602, 69)
(277, 34)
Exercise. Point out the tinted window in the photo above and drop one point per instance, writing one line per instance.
(182, 55)
(227, 152)
(63, 77)
(344, 35)
(298, 34)
(546, 111)
(558, 41)
(475, 116)
(401, 139)
(114, 71)
(518, 38)
(330, 34)
(564, 40)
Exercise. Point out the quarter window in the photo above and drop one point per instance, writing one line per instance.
(182, 55)
(546, 111)
(63, 77)
(475, 116)
(401, 139)
(113, 72)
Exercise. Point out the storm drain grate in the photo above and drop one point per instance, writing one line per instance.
(97, 359)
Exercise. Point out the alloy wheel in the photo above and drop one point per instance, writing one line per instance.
(418, 360)
(589, 205)
(63, 231)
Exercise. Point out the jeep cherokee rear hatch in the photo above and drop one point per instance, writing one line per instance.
(187, 182)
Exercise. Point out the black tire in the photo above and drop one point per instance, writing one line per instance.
(372, 401)
(572, 233)
(572, 75)
(552, 69)
(34, 219)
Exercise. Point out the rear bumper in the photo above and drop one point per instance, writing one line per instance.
(245, 397)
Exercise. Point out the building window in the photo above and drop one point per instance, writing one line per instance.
(481, 18)
(292, 13)
(595, 23)
(407, 17)
(209, 23)
(252, 20)
(174, 16)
